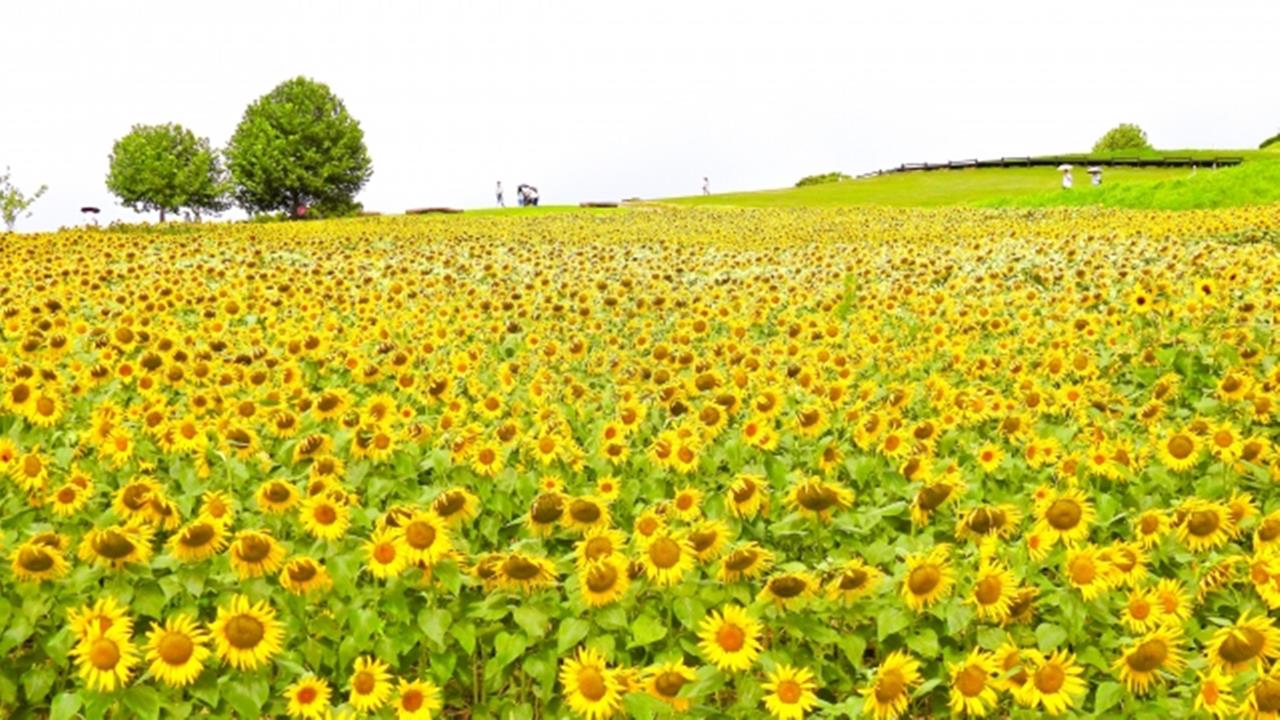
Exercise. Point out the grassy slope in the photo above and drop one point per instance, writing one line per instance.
(1123, 187)
(936, 187)
(1253, 183)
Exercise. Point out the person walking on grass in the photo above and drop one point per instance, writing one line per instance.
(500, 202)
(706, 186)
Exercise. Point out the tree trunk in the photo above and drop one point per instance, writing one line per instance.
(161, 214)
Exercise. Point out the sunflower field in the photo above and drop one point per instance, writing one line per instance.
(872, 463)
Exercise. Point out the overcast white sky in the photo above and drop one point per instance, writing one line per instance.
(605, 100)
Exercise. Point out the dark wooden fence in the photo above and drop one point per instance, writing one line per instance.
(1056, 160)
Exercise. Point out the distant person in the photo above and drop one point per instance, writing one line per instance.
(533, 196)
(499, 192)
(1095, 175)
(706, 186)
(1066, 179)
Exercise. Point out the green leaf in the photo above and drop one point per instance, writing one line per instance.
(924, 642)
(508, 647)
(143, 700)
(447, 573)
(465, 633)
(434, 622)
(891, 621)
(643, 706)
(36, 682)
(64, 706)
(570, 633)
(1106, 697)
(532, 620)
(959, 615)
(1050, 637)
(647, 630)
(991, 638)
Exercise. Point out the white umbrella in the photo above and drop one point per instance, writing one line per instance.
(1064, 167)
(1094, 169)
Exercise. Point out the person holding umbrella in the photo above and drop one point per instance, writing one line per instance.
(1065, 169)
(1095, 175)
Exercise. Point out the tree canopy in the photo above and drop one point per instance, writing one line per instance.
(298, 147)
(14, 202)
(1125, 136)
(167, 168)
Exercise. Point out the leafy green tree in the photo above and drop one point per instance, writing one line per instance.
(14, 202)
(167, 168)
(1273, 140)
(297, 147)
(1125, 136)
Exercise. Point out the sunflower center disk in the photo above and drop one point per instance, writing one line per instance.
(1063, 514)
(1148, 656)
(591, 684)
(104, 654)
(889, 686)
(924, 579)
(175, 648)
(789, 691)
(665, 553)
(669, 683)
(731, 638)
(1050, 678)
(1242, 645)
(244, 632)
(364, 682)
(971, 681)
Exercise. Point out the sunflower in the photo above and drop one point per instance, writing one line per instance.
(1064, 516)
(984, 521)
(30, 470)
(1214, 695)
(524, 572)
(416, 700)
(586, 513)
(789, 692)
(177, 650)
(853, 580)
(1087, 570)
(68, 500)
(1141, 612)
(687, 504)
(816, 498)
(1150, 526)
(934, 496)
(545, 512)
(890, 690)
(246, 635)
(1157, 651)
(106, 659)
(276, 496)
(255, 553)
(383, 553)
(730, 639)
(116, 546)
(425, 538)
(994, 590)
(456, 506)
(608, 487)
(198, 540)
(1179, 450)
(323, 518)
(1011, 663)
(302, 575)
(487, 459)
(603, 581)
(647, 525)
(972, 690)
(708, 539)
(1262, 699)
(667, 557)
(592, 689)
(928, 578)
(664, 681)
(1203, 525)
(788, 590)
(1128, 561)
(34, 561)
(1249, 640)
(105, 615)
(1053, 682)
(217, 505)
(308, 698)
(131, 500)
(370, 684)
(597, 544)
